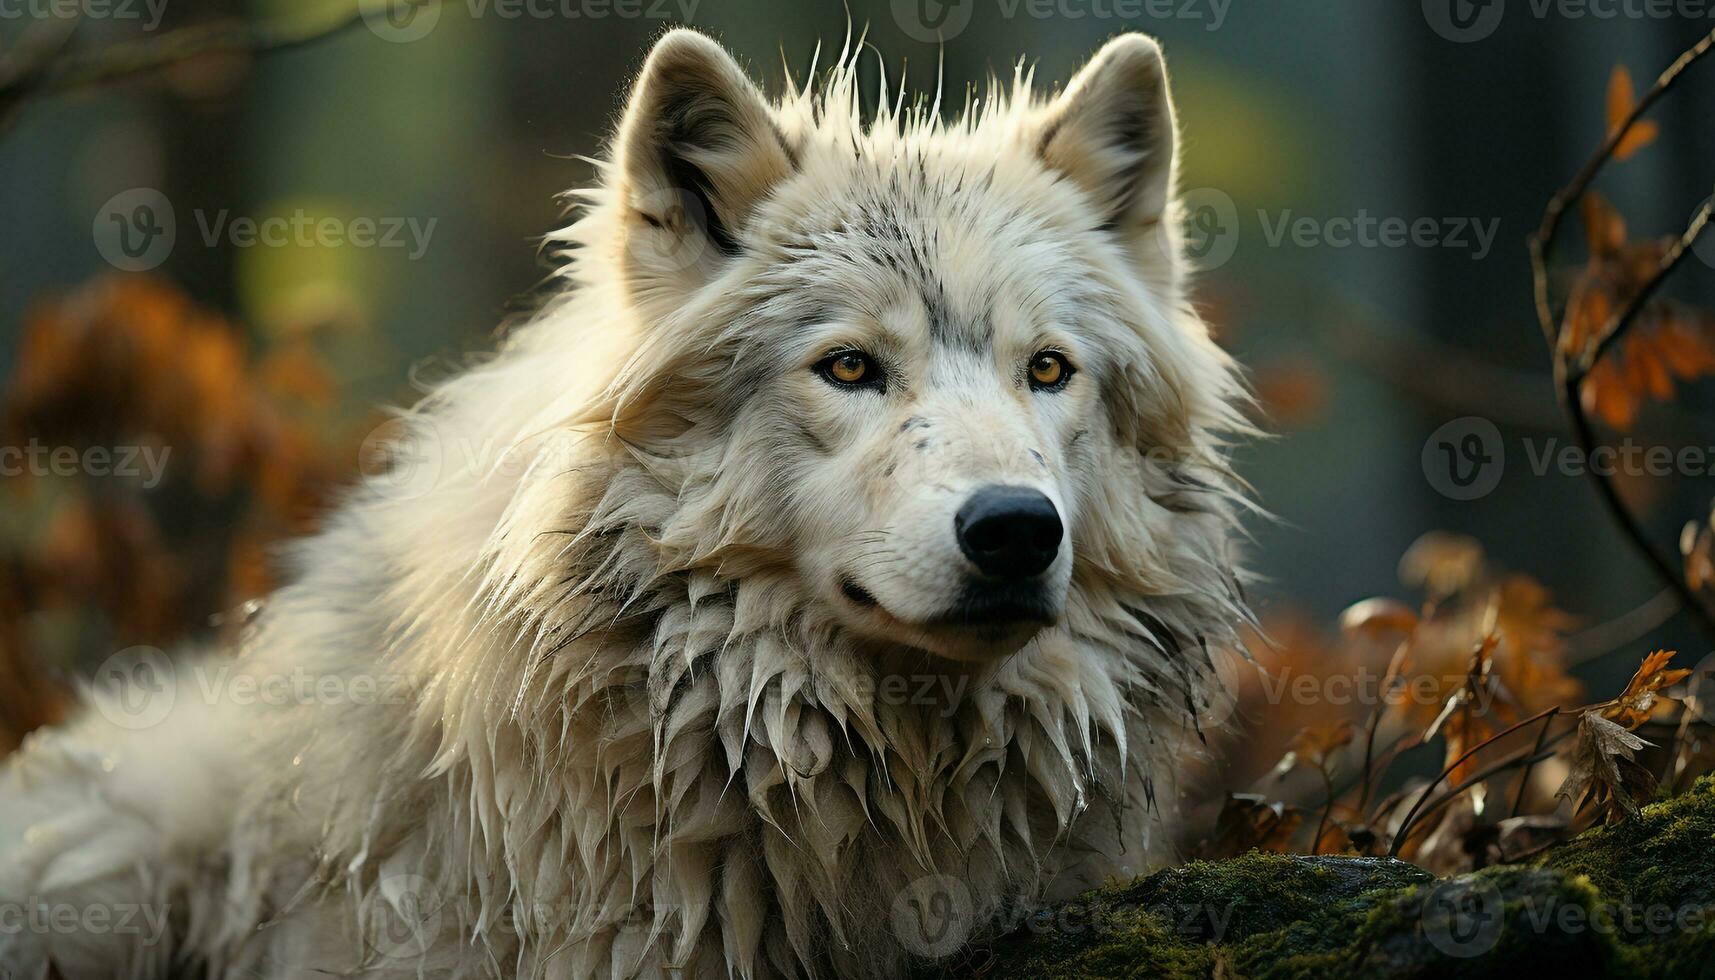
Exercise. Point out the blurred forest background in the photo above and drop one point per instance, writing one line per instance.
(261, 367)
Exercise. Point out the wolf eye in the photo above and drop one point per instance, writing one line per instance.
(849, 369)
(1049, 371)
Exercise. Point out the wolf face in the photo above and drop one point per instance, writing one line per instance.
(950, 353)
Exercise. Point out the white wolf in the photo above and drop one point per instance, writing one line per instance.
(847, 584)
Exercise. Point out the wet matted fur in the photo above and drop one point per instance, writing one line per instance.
(657, 649)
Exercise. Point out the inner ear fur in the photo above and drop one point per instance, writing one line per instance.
(698, 150)
(1114, 134)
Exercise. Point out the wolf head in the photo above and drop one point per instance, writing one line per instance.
(950, 367)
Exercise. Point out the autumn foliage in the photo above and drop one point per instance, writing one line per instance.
(129, 364)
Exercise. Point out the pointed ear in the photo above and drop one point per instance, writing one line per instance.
(1112, 132)
(697, 151)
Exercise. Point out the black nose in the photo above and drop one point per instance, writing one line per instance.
(1009, 532)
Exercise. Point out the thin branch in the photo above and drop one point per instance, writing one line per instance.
(1524, 778)
(1628, 317)
(1517, 758)
(1390, 680)
(1327, 811)
(1628, 627)
(1411, 814)
(1542, 241)
(127, 59)
(1584, 432)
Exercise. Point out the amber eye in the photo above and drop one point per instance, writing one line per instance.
(851, 368)
(1049, 370)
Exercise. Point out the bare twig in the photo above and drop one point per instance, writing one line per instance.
(1518, 758)
(1604, 638)
(1411, 815)
(1524, 778)
(127, 59)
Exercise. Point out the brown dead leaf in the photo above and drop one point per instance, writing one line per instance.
(1605, 768)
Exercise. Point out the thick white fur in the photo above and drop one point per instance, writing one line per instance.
(578, 696)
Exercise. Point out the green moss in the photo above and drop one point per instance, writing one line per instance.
(1634, 900)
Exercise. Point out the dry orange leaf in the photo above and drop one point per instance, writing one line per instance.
(1669, 343)
(1622, 100)
(1635, 706)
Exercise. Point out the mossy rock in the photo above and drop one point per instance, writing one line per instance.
(1634, 900)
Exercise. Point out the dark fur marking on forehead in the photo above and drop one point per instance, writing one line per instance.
(948, 330)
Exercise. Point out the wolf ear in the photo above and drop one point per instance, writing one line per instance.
(698, 150)
(1112, 132)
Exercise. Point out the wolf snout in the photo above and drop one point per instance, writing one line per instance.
(1009, 532)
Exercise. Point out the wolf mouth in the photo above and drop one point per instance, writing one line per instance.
(978, 606)
(999, 606)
